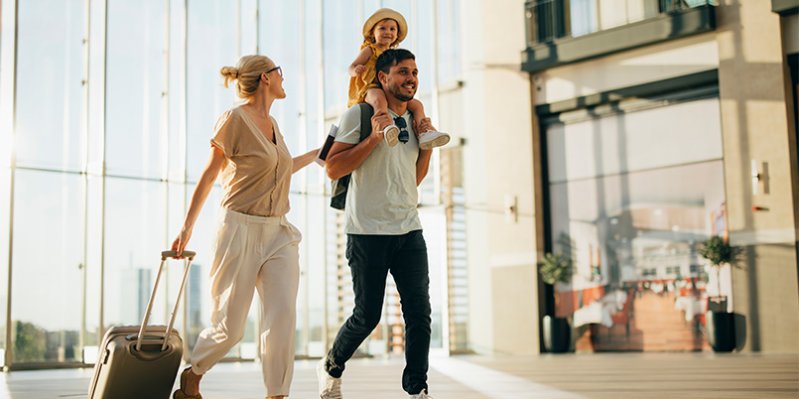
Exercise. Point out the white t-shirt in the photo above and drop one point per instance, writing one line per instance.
(382, 195)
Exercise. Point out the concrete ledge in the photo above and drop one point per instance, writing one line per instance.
(665, 27)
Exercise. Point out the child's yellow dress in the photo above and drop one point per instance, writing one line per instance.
(361, 83)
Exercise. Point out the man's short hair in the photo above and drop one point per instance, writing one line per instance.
(389, 58)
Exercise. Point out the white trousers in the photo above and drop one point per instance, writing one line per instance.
(253, 253)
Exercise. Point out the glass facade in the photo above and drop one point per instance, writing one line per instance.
(107, 108)
(630, 203)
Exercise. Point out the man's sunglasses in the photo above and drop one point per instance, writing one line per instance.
(403, 136)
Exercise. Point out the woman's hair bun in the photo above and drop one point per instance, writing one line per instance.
(229, 73)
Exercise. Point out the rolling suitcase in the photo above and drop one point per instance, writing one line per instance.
(138, 362)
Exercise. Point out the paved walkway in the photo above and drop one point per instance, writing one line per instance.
(650, 376)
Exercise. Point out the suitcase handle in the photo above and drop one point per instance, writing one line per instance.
(174, 254)
(188, 256)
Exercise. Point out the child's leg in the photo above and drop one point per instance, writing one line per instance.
(417, 109)
(377, 99)
(428, 138)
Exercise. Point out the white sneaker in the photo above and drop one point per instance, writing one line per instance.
(432, 139)
(391, 134)
(329, 386)
(421, 395)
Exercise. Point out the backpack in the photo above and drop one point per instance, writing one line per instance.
(339, 187)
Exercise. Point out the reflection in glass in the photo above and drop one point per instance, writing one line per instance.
(47, 267)
(632, 232)
(134, 238)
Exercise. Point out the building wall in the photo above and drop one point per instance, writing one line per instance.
(648, 64)
(756, 128)
(498, 170)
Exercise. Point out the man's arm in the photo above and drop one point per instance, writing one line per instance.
(343, 158)
(423, 162)
(422, 165)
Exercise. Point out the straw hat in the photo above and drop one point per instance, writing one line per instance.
(385, 13)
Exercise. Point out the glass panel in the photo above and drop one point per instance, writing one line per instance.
(177, 91)
(449, 39)
(97, 103)
(134, 142)
(639, 281)
(249, 23)
(176, 209)
(421, 42)
(49, 91)
(7, 49)
(435, 227)
(342, 40)
(135, 235)
(311, 224)
(631, 221)
(5, 219)
(635, 141)
(94, 246)
(583, 17)
(211, 35)
(47, 267)
(315, 131)
(280, 41)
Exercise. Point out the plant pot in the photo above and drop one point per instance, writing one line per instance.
(557, 334)
(721, 331)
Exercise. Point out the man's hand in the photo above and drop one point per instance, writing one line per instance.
(424, 126)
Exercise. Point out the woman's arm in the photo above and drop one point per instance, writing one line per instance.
(360, 60)
(303, 160)
(212, 168)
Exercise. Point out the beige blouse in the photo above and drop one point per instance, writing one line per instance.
(257, 174)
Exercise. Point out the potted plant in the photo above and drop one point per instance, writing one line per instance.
(556, 268)
(720, 322)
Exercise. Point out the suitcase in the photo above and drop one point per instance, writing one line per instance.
(137, 362)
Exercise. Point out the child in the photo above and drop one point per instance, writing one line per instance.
(385, 29)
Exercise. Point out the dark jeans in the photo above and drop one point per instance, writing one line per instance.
(371, 257)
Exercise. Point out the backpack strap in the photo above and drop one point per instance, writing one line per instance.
(339, 198)
(366, 120)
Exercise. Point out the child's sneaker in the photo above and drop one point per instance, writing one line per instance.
(432, 139)
(391, 133)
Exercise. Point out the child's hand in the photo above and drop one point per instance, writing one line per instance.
(379, 121)
(359, 69)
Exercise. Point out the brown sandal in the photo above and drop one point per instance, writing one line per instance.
(179, 394)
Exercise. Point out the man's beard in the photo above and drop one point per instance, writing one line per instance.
(395, 91)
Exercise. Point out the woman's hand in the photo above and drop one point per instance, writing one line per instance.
(180, 242)
(359, 69)
(303, 160)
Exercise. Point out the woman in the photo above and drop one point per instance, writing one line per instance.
(256, 248)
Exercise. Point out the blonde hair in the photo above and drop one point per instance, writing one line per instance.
(247, 74)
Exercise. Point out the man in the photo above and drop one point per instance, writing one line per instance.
(382, 225)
